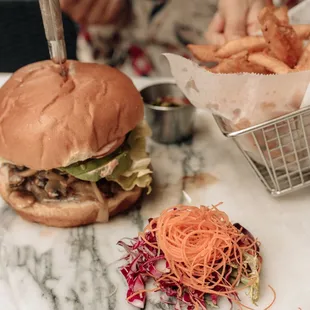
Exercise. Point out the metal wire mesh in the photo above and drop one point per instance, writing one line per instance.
(277, 150)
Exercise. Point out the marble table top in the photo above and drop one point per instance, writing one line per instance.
(45, 268)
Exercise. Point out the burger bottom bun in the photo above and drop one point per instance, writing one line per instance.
(66, 213)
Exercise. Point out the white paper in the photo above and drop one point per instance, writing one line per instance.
(244, 100)
(239, 97)
(300, 14)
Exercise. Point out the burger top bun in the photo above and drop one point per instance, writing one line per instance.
(47, 122)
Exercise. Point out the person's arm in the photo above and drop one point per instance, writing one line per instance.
(101, 25)
(96, 12)
(234, 19)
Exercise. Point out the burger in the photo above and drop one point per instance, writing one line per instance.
(73, 151)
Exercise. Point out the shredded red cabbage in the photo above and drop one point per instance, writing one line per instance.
(145, 262)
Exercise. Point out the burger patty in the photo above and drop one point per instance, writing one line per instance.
(55, 184)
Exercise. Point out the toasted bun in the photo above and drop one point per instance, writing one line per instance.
(70, 213)
(47, 123)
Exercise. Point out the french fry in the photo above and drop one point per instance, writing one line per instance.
(303, 31)
(304, 60)
(238, 65)
(204, 53)
(250, 44)
(243, 54)
(281, 38)
(270, 63)
(280, 49)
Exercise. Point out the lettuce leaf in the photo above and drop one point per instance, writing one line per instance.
(95, 169)
(128, 165)
(139, 173)
(252, 262)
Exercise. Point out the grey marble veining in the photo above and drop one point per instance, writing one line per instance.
(59, 269)
(44, 268)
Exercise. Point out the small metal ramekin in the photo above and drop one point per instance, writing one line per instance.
(169, 124)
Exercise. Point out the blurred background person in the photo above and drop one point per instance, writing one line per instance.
(128, 34)
(132, 35)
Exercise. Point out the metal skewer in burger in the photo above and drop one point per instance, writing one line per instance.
(54, 33)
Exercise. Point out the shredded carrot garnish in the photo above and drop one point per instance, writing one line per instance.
(274, 297)
(201, 245)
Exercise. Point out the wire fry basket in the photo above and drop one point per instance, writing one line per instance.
(277, 150)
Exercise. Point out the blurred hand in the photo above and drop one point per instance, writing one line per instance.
(234, 19)
(93, 12)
